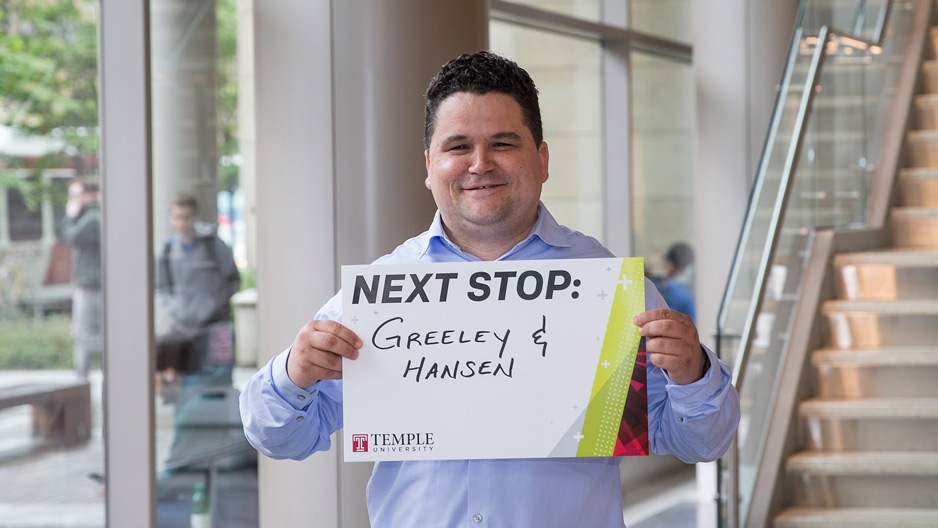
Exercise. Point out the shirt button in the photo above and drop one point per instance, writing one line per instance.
(299, 418)
(477, 518)
(302, 397)
(680, 419)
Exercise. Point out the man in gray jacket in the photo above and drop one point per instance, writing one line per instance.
(196, 277)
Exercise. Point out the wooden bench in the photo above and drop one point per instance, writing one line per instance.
(61, 410)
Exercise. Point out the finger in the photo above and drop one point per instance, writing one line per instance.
(669, 328)
(674, 364)
(330, 336)
(666, 346)
(661, 314)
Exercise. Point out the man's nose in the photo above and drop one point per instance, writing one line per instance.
(482, 160)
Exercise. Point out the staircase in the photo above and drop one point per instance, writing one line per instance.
(868, 454)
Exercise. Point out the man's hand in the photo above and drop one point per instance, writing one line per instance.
(318, 351)
(73, 206)
(672, 344)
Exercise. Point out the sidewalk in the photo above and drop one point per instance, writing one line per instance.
(52, 488)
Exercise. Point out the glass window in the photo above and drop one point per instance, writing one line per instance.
(25, 217)
(51, 442)
(199, 237)
(662, 160)
(586, 9)
(568, 77)
(670, 19)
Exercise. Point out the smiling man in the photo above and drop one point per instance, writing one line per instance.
(486, 163)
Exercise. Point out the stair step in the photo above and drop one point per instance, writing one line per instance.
(930, 76)
(888, 372)
(898, 257)
(872, 324)
(861, 408)
(919, 186)
(915, 226)
(877, 357)
(865, 463)
(926, 112)
(910, 273)
(921, 145)
(857, 518)
(899, 307)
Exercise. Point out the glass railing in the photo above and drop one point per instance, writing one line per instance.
(822, 150)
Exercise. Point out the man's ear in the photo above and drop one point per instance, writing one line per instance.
(544, 154)
(426, 156)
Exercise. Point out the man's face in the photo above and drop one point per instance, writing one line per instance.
(484, 169)
(183, 220)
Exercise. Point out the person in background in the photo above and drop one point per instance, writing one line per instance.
(486, 162)
(671, 277)
(196, 277)
(81, 230)
(680, 257)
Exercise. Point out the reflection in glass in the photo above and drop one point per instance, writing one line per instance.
(586, 9)
(196, 193)
(51, 445)
(670, 19)
(663, 173)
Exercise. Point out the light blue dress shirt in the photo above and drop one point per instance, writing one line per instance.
(694, 422)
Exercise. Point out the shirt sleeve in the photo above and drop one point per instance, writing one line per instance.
(282, 420)
(694, 422)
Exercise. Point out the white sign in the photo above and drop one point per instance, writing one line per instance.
(506, 359)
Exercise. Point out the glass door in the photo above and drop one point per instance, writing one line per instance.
(51, 348)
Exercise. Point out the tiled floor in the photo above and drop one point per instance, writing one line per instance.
(670, 502)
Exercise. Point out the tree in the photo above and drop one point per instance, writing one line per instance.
(48, 72)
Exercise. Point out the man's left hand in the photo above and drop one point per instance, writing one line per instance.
(672, 344)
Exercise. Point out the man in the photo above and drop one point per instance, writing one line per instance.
(486, 162)
(670, 278)
(81, 229)
(196, 277)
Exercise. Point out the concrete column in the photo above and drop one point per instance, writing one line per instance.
(295, 236)
(385, 54)
(340, 170)
(183, 88)
(739, 54)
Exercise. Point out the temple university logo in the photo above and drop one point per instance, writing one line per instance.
(359, 443)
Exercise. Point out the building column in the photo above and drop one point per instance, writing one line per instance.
(339, 180)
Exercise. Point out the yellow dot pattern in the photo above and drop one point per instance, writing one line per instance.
(616, 362)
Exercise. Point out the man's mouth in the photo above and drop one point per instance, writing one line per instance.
(480, 187)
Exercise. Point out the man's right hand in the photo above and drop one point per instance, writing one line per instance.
(318, 351)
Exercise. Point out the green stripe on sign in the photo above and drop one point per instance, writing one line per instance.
(616, 362)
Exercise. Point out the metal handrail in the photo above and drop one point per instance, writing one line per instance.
(825, 37)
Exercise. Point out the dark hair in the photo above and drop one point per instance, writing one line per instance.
(680, 255)
(189, 201)
(88, 184)
(481, 73)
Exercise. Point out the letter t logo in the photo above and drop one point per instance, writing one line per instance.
(359, 443)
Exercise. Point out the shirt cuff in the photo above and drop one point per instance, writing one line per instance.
(699, 390)
(298, 397)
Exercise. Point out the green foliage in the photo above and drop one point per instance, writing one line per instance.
(226, 31)
(248, 280)
(48, 70)
(36, 344)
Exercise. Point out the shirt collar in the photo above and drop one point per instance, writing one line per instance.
(545, 228)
